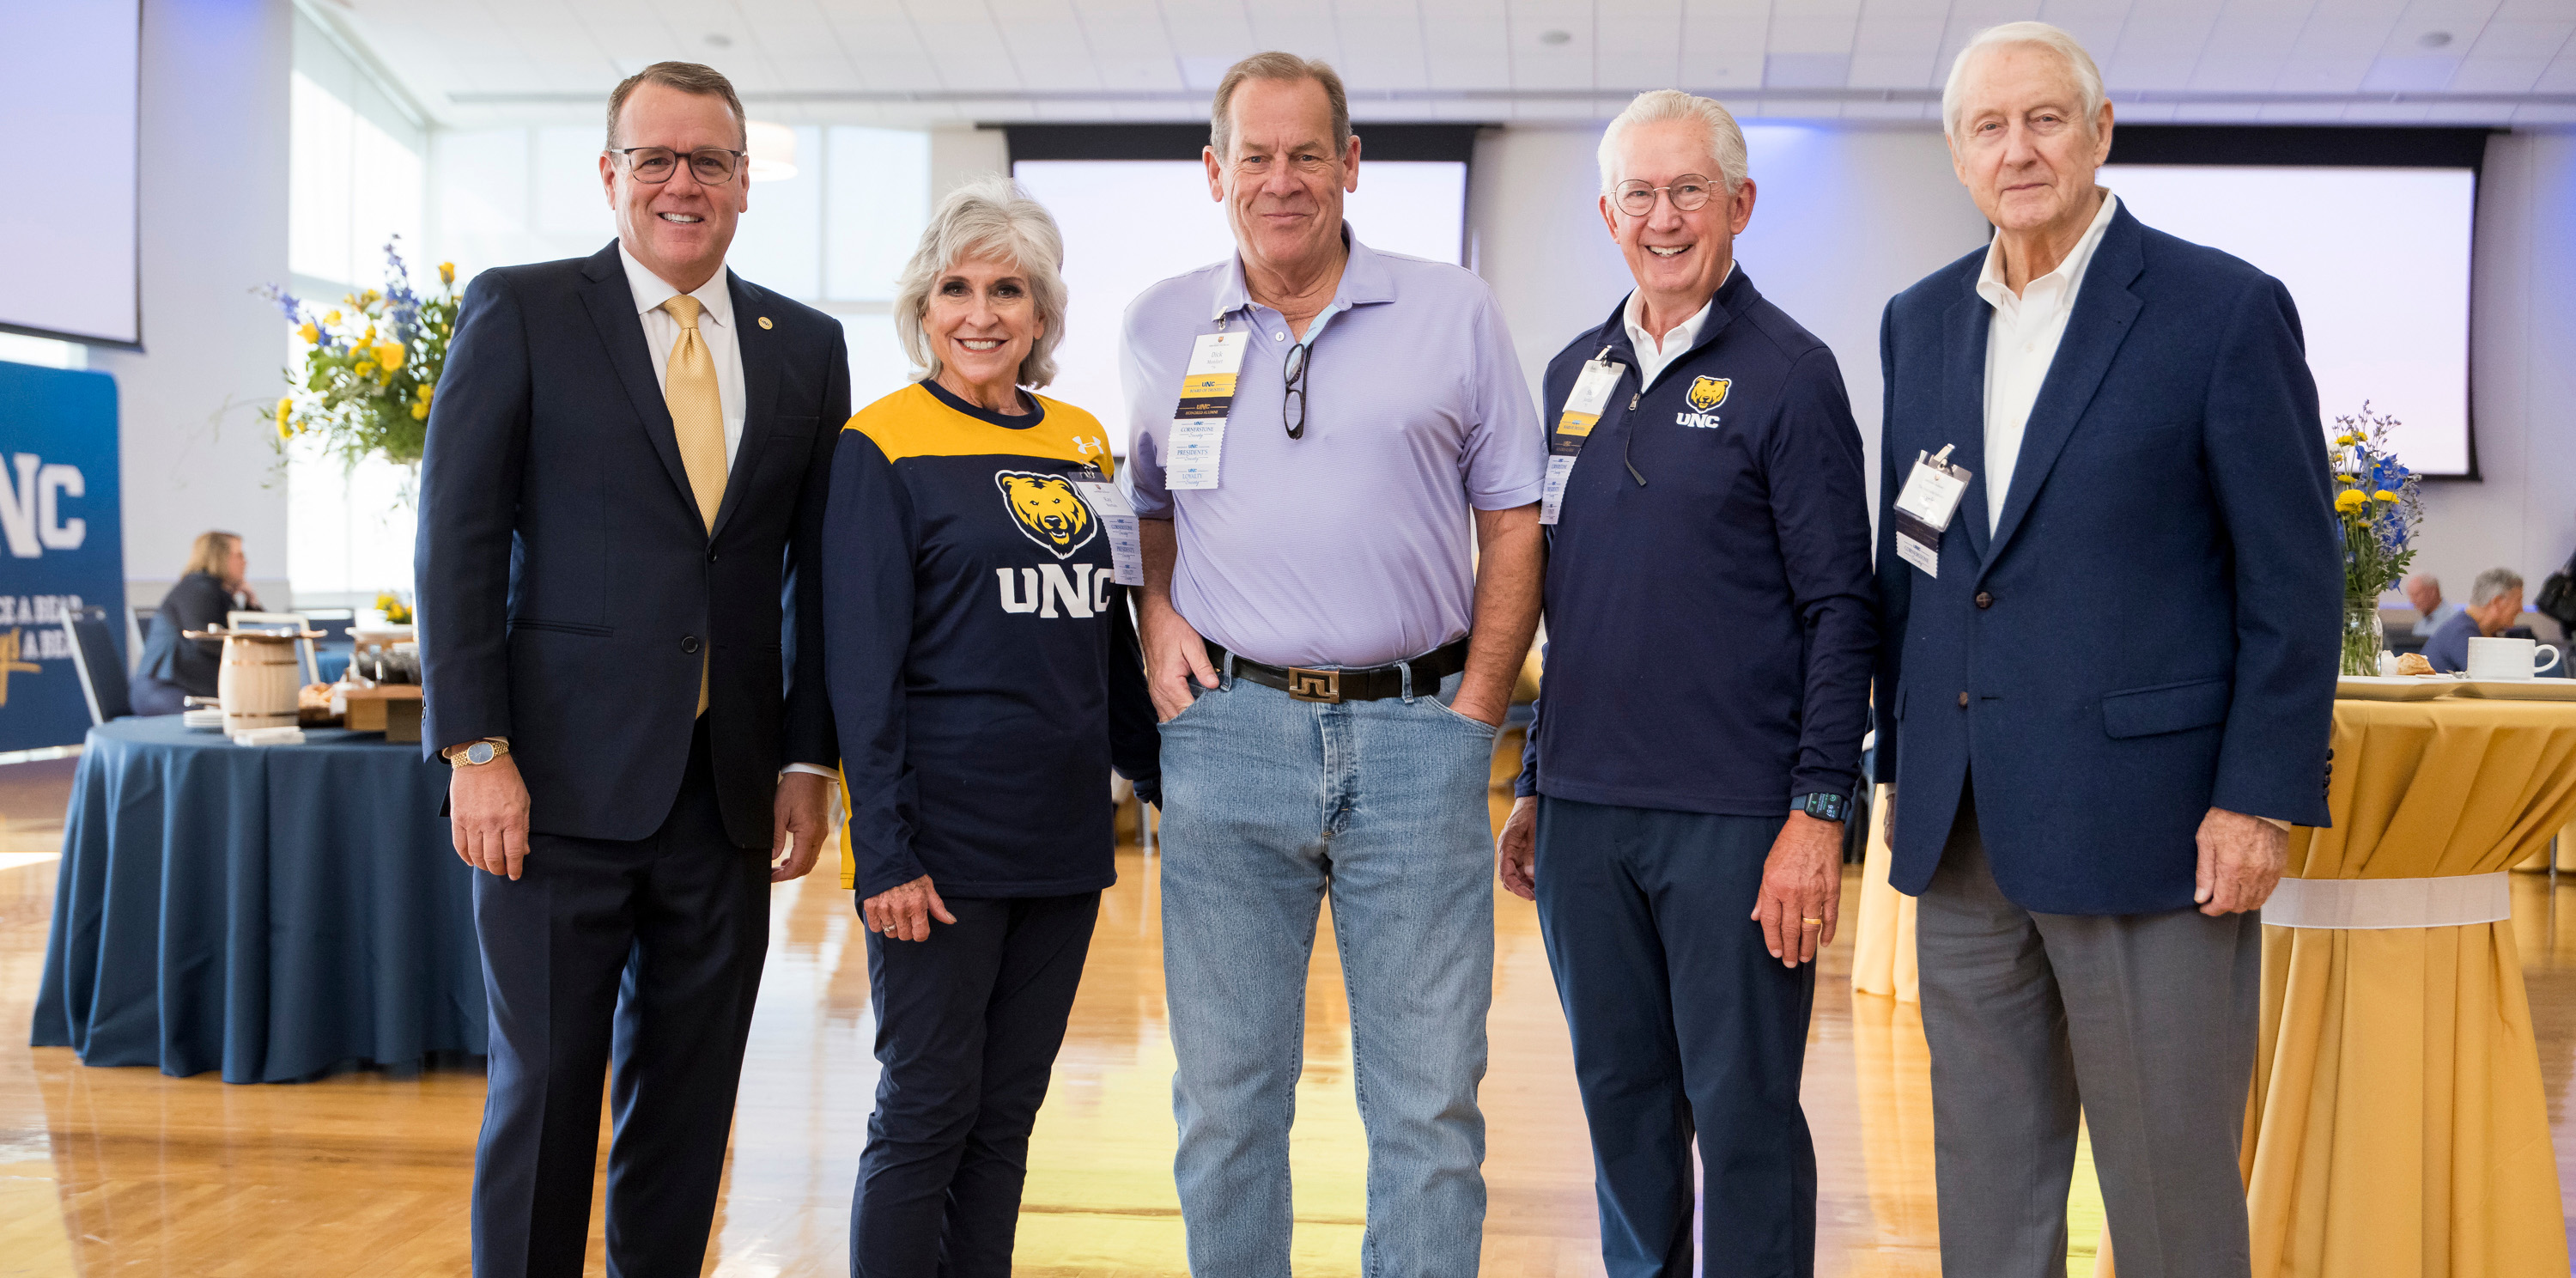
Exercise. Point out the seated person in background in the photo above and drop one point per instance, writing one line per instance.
(2495, 601)
(214, 585)
(2424, 591)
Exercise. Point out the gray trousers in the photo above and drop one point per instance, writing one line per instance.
(2145, 1023)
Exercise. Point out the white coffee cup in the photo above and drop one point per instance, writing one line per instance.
(2509, 658)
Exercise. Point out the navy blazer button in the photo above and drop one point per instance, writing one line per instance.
(689, 644)
(1963, 701)
(1985, 600)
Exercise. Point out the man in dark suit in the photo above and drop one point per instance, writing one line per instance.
(621, 505)
(2106, 682)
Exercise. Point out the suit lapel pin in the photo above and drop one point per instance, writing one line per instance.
(764, 321)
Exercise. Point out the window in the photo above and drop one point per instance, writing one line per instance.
(356, 178)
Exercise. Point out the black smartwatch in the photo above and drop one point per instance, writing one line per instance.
(1824, 807)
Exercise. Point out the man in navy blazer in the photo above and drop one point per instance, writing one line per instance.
(621, 505)
(2106, 681)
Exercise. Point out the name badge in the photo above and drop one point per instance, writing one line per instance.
(1923, 509)
(1583, 409)
(1207, 399)
(1118, 522)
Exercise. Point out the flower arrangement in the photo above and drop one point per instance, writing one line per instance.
(397, 613)
(2378, 507)
(369, 368)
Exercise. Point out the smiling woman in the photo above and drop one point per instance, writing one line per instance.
(984, 680)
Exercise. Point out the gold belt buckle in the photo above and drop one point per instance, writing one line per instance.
(1314, 685)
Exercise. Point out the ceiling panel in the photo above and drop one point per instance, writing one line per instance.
(476, 62)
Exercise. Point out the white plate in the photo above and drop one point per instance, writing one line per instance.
(2394, 687)
(206, 719)
(2520, 689)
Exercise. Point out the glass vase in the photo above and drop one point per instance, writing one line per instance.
(2363, 639)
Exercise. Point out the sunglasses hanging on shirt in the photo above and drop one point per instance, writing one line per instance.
(1292, 398)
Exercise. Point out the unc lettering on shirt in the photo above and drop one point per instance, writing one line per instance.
(1082, 591)
(1706, 394)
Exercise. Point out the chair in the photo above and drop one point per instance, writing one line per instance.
(96, 661)
(334, 623)
(297, 621)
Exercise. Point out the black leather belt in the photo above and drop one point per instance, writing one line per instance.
(1357, 683)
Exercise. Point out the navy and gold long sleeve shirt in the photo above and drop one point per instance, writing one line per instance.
(1711, 612)
(983, 668)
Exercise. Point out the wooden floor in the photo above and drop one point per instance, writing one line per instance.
(125, 1171)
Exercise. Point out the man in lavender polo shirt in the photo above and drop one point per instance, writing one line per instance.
(1331, 663)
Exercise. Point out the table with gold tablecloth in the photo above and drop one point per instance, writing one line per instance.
(2397, 1125)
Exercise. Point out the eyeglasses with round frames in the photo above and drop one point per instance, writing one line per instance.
(654, 165)
(1292, 398)
(1687, 192)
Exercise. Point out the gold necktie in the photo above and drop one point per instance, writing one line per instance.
(697, 416)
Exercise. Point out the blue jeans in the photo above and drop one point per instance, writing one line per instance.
(1269, 804)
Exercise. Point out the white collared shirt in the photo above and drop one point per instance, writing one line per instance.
(715, 328)
(1654, 357)
(2021, 343)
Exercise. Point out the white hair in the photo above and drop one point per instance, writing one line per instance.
(987, 217)
(2491, 584)
(1725, 140)
(2079, 66)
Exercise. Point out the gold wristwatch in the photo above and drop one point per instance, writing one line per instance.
(472, 753)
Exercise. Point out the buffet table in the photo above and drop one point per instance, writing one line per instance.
(273, 912)
(2397, 1126)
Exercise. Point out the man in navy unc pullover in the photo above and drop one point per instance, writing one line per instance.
(1711, 619)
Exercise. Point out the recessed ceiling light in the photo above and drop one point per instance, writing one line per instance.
(1556, 37)
(719, 40)
(2434, 39)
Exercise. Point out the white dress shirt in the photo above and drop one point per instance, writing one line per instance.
(2021, 343)
(1654, 357)
(715, 328)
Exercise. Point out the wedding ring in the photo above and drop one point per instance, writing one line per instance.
(1813, 922)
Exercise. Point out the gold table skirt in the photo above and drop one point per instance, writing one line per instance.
(2396, 1127)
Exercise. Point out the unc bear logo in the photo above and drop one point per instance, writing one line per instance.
(1708, 392)
(1047, 509)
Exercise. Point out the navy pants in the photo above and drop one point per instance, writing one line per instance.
(968, 1023)
(1683, 1025)
(639, 956)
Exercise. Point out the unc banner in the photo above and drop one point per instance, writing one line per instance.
(62, 544)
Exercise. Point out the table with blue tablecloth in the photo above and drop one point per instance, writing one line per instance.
(271, 911)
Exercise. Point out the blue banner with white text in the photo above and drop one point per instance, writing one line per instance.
(62, 544)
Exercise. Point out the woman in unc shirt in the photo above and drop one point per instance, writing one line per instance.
(984, 676)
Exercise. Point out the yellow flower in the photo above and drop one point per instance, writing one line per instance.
(2383, 496)
(420, 412)
(369, 337)
(310, 334)
(2351, 499)
(447, 272)
(332, 319)
(285, 425)
(365, 368)
(2347, 441)
(389, 354)
(369, 297)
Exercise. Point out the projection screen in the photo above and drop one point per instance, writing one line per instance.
(2377, 261)
(69, 268)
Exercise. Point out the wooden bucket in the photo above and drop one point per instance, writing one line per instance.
(258, 683)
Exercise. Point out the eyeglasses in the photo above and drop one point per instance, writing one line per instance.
(1292, 398)
(654, 165)
(1689, 191)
